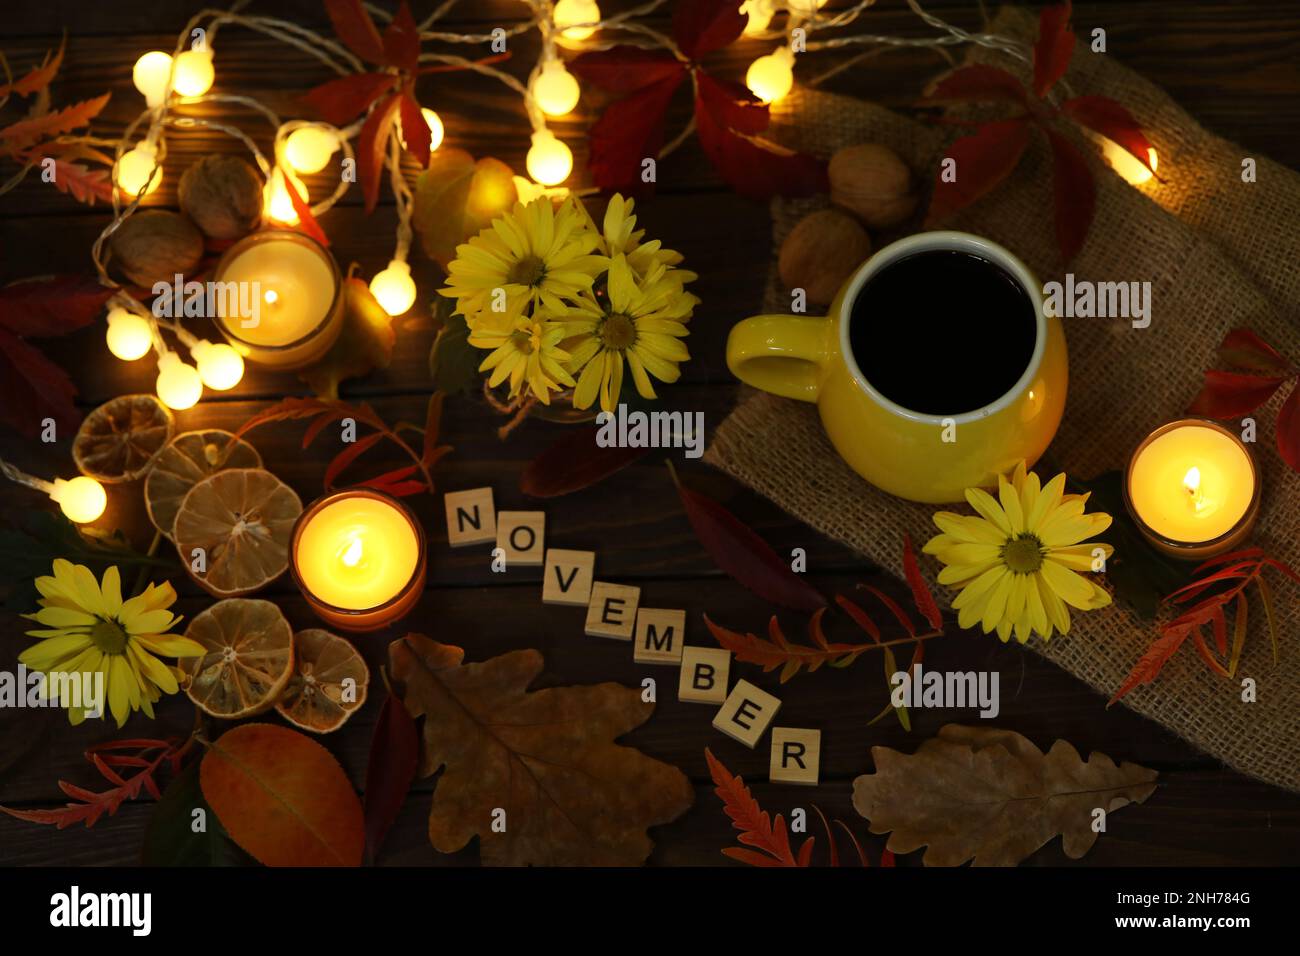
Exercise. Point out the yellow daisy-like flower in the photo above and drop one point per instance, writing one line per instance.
(530, 352)
(91, 630)
(535, 254)
(641, 323)
(619, 235)
(1017, 561)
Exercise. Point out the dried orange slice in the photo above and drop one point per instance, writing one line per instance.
(328, 684)
(232, 530)
(187, 460)
(120, 440)
(249, 658)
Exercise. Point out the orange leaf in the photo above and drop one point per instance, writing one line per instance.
(1054, 47)
(306, 219)
(756, 826)
(38, 77)
(1075, 193)
(1149, 664)
(283, 797)
(920, 590)
(27, 131)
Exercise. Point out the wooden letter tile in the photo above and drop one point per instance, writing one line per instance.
(704, 675)
(521, 535)
(471, 518)
(660, 635)
(746, 713)
(612, 611)
(796, 755)
(567, 578)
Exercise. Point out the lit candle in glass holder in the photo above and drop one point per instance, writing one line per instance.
(358, 556)
(1193, 489)
(291, 286)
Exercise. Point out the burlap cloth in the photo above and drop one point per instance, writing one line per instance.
(1219, 253)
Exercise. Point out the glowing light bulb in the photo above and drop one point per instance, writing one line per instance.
(1126, 164)
(194, 73)
(760, 15)
(178, 385)
(805, 7)
(279, 205)
(271, 297)
(138, 169)
(549, 161)
(309, 148)
(352, 556)
(82, 499)
(771, 77)
(220, 366)
(567, 13)
(436, 131)
(394, 288)
(129, 335)
(555, 89)
(150, 76)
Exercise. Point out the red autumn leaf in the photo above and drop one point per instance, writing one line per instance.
(978, 83)
(348, 455)
(1075, 193)
(1230, 394)
(921, 595)
(702, 26)
(1149, 664)
(573, 462)
(1054, 47)
(82, 183)
(51, 305)
(1242, 348)
(354, 27)
(341, 101)
(731, 106)
(757, 827)
(1103, 115)
(1288, 430)
(402, 41)
(33, 388)
(755, 168)
(28, 131)
(415, 131)
(38, 77)
(396, 476)
(432, 451)
(626, 69)
(895, 609)
(306, 219)
(371, 146)
(860, 617)
(745, 556)
(983, 160)
(627, 133)
(394, 755)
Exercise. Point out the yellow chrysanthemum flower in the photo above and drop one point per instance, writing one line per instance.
(619, 235)
(530, 352)
(91, 630)
(536, 254)
(640, 322)
(1017, 561)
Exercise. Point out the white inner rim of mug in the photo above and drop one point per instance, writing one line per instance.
(952, 242)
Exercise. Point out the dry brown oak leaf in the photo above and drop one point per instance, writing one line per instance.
(992, 796)
(571, 796)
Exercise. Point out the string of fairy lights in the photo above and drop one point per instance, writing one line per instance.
(185, 76)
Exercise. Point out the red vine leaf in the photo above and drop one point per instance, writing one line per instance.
(1231, 394)
(921, 594)
(983, 160)
(1242, 348)
(354, 27)
(33, 388)
(390, 770)
(402, 41)
(343, 100)
(1288, 430)
(627, 133)
(307, 223)
(703, 26)
(573, 462)
(1054, 47)
(415, 131)
(1075, 192)
(371, 145)
(51, 305)
(745, 556)
(978, 82)
(1103, 115)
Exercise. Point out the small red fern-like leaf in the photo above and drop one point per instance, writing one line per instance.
(921, 594)
(756, 826)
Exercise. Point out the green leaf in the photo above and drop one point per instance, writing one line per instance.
(170, 838)
(455, 197)
(453, 362)
(366, 343)
(891, 668)
(28, 550)
(1140, 574)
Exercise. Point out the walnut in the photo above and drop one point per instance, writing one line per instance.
(154, 245)
(223, 195)
(873, 183)
(821, 252)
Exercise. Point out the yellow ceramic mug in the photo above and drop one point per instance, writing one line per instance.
(930, 458)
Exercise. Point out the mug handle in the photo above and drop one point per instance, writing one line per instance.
(781, 354)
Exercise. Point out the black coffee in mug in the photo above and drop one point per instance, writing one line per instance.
(942, 332)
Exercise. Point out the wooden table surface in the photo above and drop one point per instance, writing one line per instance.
(1234, 65)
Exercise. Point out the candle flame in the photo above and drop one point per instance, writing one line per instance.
(271, 297)
(1192, 480)
(353, 554)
